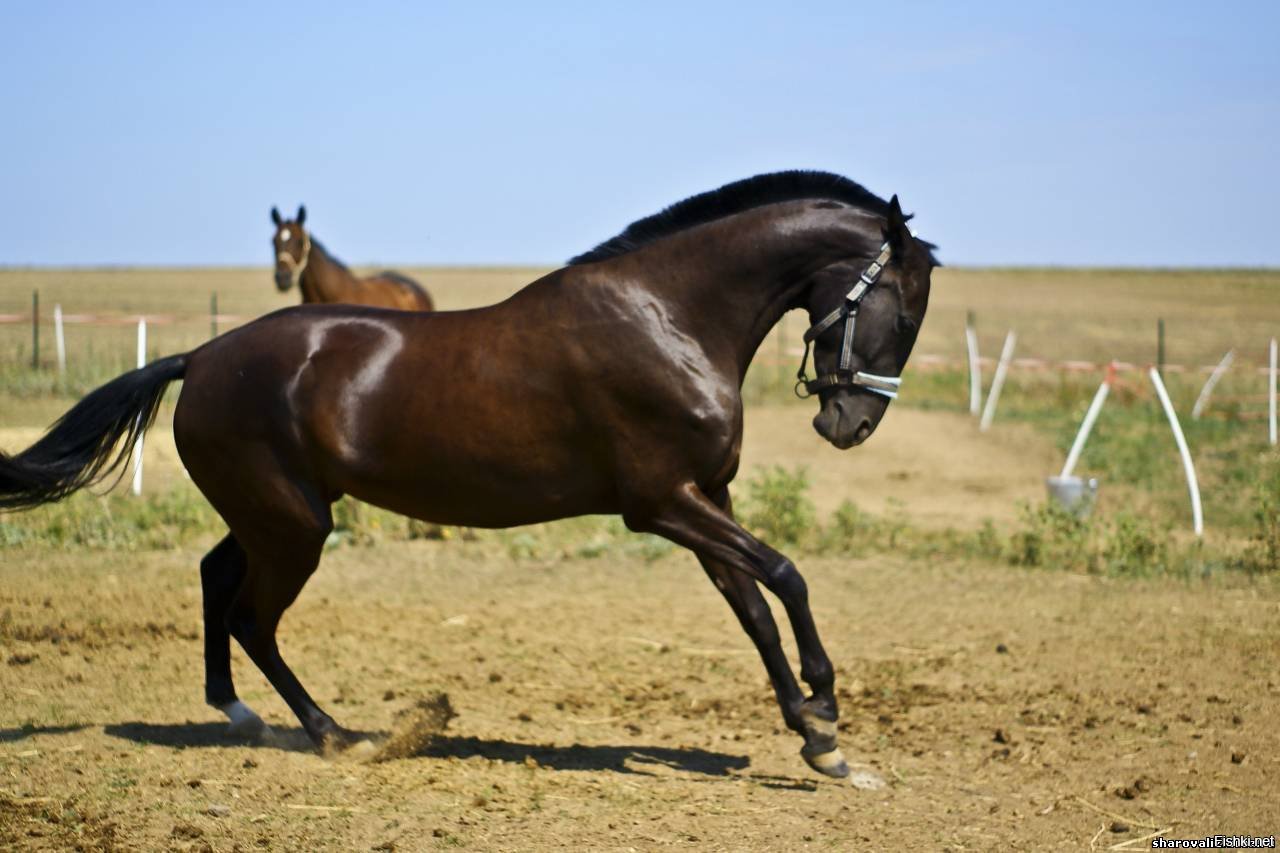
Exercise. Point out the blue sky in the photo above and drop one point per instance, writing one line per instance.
(1021, 133)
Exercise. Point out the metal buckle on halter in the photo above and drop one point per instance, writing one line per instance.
(859, 290)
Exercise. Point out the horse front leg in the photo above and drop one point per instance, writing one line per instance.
(743, 595)
(691, 519)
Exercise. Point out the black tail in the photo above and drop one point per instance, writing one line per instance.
(80, 448)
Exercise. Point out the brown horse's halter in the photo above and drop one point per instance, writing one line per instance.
(886, 386)
(296, 267)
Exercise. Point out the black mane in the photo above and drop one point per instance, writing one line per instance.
(734, 198)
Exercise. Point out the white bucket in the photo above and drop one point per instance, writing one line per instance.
(1074, 494)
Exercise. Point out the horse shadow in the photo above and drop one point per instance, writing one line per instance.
(620, 758)
(18, 733)
(213, 734)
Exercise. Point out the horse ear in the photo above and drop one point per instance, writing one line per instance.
(302, 214)
(275, 217)
(895, 228)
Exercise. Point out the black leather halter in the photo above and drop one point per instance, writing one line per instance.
(848, 311)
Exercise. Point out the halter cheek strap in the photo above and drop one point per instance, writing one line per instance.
(886, 386)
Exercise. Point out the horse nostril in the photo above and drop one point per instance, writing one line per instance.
(864, 430)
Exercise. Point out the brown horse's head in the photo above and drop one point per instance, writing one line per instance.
(887, 320)
(292, 247)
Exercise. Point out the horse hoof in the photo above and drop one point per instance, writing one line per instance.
(830, 763)
(252, 729)
(244, 722)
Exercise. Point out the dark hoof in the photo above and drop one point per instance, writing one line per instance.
(820, 751)
(828, 763)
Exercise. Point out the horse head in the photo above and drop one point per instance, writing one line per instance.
(292, 246)
(864, 320)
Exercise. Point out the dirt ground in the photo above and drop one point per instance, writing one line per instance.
(613, 703)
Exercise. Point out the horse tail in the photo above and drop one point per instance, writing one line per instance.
(80, 448)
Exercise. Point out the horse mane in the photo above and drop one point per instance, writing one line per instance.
(317, 246)
(770, 188)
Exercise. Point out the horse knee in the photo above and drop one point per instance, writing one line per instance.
(786, 582)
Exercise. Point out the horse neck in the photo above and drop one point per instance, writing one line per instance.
(755, 271)
(323, 280)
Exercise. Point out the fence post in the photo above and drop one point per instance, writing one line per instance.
(1077, 446)
(35, 330)
(213, 314)
(59, 342)
(137, 445)
(1160, 346)
(1197, 517)
(975, 369)
(1203, 400)
(1271, 396)
(997, 382)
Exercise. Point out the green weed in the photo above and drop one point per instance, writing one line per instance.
(777, 507)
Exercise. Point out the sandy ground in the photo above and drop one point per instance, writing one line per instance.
(933, 467)
(615, 704)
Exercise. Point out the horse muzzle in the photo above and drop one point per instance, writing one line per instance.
(846, 420)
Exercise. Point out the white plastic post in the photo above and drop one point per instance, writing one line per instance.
(1077, 446)
(1203, 400)
(1271, 397)
(975, 370)
(1193, 486)
(58, 339)
(137, 446)
(997, 382)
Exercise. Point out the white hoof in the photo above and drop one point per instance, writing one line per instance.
(244, 722)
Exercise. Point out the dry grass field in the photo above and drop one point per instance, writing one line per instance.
(1059, 314)
(605, 696)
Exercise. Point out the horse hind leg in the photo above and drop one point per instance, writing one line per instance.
(222, 571)
(283, 552)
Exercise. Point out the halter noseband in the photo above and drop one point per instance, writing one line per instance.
(296, 268)
(886, 386)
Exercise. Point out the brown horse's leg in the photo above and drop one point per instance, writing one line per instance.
(753, 613)
(272, 584)
(221, 572)
(691, 519)
(282, 541)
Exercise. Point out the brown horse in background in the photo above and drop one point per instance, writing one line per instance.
(303, 263)
(612, 385)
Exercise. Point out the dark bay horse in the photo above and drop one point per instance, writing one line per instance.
(303, 263)
(612, 385)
